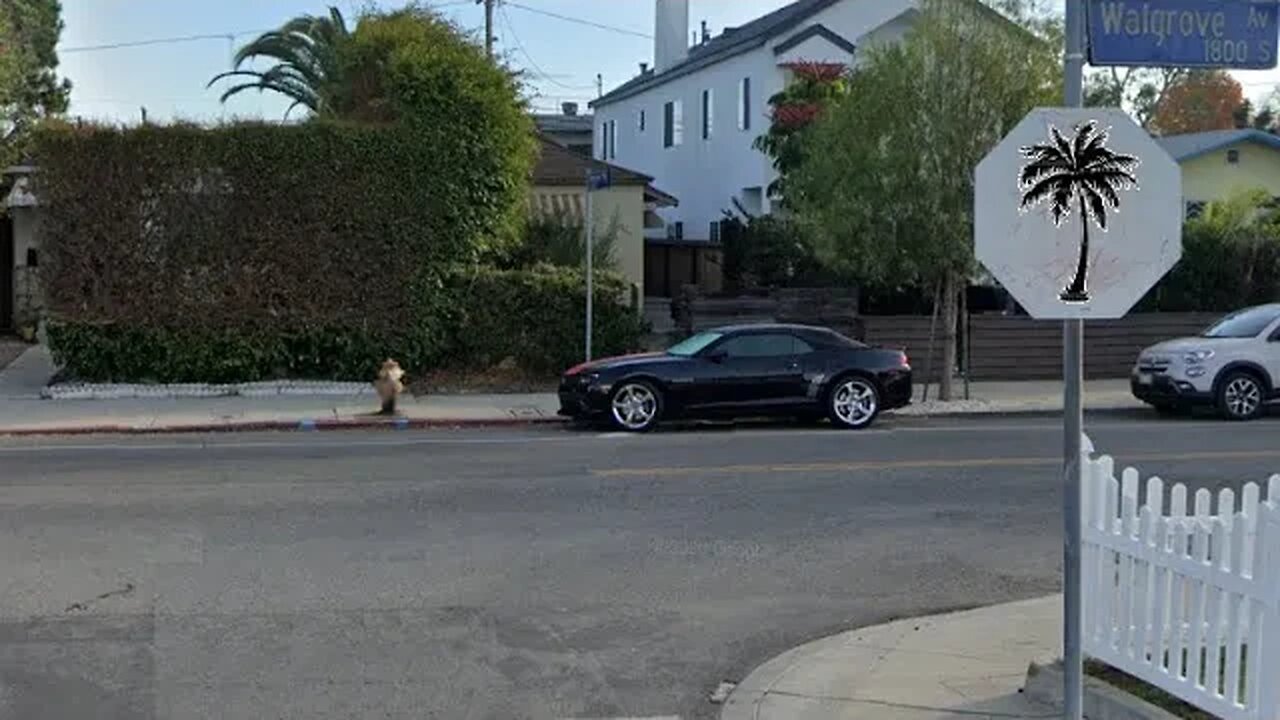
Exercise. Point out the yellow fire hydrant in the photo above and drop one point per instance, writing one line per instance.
(389, 385)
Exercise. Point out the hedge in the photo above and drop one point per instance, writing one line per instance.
(269, 228)
(477, 318)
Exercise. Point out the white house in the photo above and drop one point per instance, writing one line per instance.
(691, 120)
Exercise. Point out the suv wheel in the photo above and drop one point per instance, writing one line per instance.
(1240, 396)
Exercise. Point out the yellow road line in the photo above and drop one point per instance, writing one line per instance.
(959, 463)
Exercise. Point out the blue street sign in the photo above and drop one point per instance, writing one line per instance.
(599, 179)
(1234, 34)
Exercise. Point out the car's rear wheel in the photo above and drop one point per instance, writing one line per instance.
(1240, 396)
(853, 403)
(635, 406)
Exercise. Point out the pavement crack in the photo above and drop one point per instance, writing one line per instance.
(85, 604)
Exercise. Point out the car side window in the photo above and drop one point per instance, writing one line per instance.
(763, 346)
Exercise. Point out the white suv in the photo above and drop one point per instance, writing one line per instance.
(1234, 365)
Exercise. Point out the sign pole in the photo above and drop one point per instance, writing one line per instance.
(590, 239)
(1072, 422)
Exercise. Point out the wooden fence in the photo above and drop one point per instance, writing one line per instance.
(1185, 602)
(1020, 348)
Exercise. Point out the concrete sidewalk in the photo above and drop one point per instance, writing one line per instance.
(23, 411)
(963, 665)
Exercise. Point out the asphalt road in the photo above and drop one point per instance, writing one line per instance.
(515, 574)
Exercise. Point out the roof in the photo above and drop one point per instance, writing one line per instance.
(1193, 145)
(560, 166)
(733, 41)
(816, 30)
(561, 123)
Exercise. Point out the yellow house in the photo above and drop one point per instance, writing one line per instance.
(1221, 163)
(628, 204)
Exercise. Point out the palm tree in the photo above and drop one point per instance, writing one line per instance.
(1082, 169)
(309, 68)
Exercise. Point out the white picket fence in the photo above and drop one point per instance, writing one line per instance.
(1186, 601)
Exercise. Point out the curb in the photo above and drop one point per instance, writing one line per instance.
(1102, 701)
(305, 425)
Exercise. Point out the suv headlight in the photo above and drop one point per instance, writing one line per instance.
(1195, 357)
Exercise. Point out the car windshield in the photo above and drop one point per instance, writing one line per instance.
(1244, 324)
(694, 345)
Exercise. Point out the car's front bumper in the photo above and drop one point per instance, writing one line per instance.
(1162, 389)
(583, 397)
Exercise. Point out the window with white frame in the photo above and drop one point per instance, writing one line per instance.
(744, 104)
(640, 121)
(708, 113)
(613, 139)
(673, 124)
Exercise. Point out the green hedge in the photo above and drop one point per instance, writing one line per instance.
(474, 318)
(257, 226)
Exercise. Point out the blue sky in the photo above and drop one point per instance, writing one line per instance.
(169, 79)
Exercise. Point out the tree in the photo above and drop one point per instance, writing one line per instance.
(890, 195)
(1199, 101)
(797, 107)
(309, 68)
(1263, 118)
(1081, 169)
(29, 86)
(1137, 90)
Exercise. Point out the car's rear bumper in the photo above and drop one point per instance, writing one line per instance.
(1164, 390)
(897, 389)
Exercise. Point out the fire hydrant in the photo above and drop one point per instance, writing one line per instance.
(389, 385)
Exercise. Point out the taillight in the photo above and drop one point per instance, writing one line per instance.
(903, 360)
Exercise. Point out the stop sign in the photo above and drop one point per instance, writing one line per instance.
(1078, 213)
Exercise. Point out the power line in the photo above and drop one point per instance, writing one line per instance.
(511, 28)
(161, 41)
(580, 21)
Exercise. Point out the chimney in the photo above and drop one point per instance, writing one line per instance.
(671, 28)
(706, 33)
(644, 68)
(569, 108)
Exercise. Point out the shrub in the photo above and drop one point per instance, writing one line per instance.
(559, 239)
(477, 318)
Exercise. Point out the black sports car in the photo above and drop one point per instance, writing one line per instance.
(746, 371)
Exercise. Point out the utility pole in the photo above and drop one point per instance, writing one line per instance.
(489, 6)
(1072, 424)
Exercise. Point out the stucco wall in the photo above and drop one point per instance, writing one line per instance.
(27, 302)
(1210, 177)
(623, 203)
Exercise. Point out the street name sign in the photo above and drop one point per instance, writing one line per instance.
(1078, 213)
(1235, 34)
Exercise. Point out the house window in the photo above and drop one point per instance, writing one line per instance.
(708, 110)
(673, 124)
(613, 139)
(678, 231)
(640, 122)
(33, 258)
(715, 232)
(744, 104)
(1233, 157)
(1195, 209)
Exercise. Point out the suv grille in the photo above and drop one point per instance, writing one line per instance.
(1155, 364)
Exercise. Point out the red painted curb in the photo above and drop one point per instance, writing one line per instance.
(282, 425)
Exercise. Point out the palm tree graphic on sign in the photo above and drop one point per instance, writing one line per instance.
(1079, 171)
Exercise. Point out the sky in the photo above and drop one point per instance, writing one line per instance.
(561, 56)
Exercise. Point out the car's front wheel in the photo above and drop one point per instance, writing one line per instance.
(635, 406)
(853, 403)
(1240, 396)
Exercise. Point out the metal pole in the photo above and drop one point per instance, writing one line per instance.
(1072, 423)
(590, 236)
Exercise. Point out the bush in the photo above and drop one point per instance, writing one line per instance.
(560, 239)
(477, 318)
(1230, 259)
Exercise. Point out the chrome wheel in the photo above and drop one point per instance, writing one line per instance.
(635, 406)
(854, 403)
(1241, 397)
